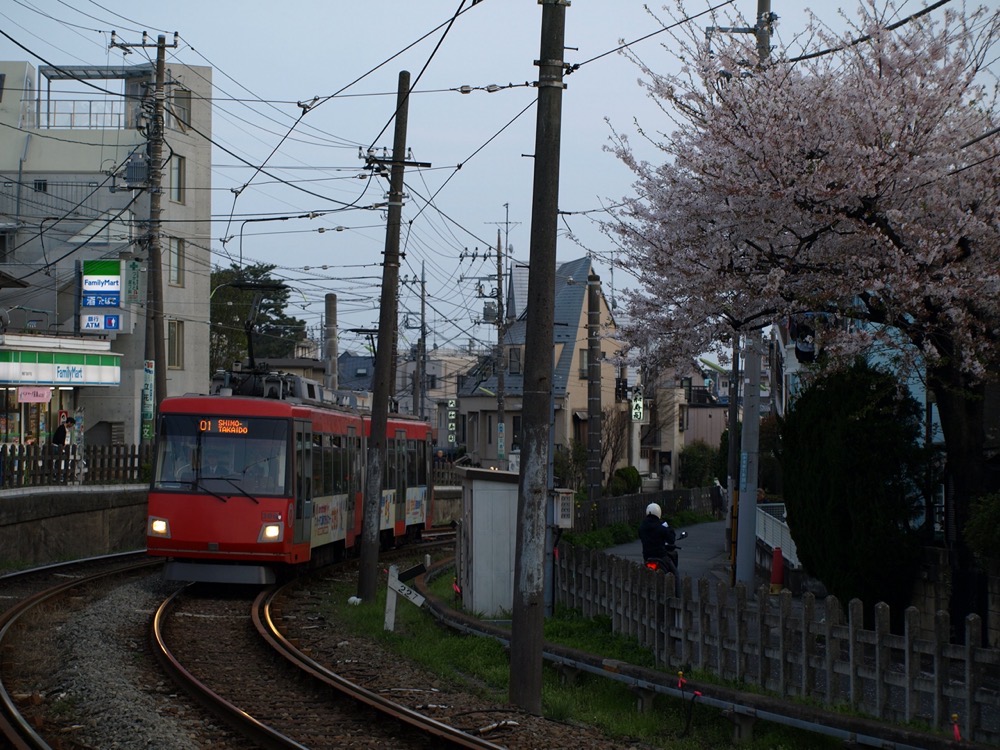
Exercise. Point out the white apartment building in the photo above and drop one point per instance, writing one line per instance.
(74, 223)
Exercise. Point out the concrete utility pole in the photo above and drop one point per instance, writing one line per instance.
(155, 345)
(501, 359)
(381, 391)
(746, 530)
(422, 346)
(533, 500)
(594, 470)
(330, 350)
(733, 462)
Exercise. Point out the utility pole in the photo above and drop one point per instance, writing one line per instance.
(594, 470)
(746, 529)
(501, 359)
(330, 350)
(534, 504)
(733, 463)
(381, 389)
(422, 346)
(155, 353)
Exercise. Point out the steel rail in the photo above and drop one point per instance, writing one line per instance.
(13, 726)
(448, 736)
(239, 720)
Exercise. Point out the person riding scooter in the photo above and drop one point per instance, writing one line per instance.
(659, 542)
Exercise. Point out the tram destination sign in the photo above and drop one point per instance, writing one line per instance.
(227, 426)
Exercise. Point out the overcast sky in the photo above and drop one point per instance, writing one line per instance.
(267, 56)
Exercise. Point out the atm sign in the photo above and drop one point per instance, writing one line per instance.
(100, 322)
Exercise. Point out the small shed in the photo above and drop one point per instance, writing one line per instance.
(487, 540)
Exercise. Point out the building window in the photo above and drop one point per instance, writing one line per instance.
(583, 364)
(175, 344)
(515, 438)
(432, 381)
(175, 261)
(41, 186)
(6, 247)
(177, 166)
(181, 107)
(514, 361)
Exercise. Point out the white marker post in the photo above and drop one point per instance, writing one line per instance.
(396, 586)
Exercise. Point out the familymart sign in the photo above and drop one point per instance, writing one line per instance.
(101, 288)
(59, 368)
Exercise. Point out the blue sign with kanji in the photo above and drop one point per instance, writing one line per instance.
(105, 299)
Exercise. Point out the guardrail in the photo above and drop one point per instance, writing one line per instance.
(773, 531)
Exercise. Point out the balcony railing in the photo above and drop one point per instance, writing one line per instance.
(87, 114)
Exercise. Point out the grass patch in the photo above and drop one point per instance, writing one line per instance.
(481, 665)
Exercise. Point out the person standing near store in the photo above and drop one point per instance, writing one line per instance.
(61, 432)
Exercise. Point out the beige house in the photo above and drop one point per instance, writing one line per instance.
(490, 442)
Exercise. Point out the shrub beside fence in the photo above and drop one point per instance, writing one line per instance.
(40, 465)
(630, 509)
(798, 649)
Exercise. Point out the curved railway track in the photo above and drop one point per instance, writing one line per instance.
(30, 591)
(265, 701)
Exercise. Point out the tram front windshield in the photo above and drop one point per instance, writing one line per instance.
(215, 454)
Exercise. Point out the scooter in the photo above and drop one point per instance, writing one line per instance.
(667, 564)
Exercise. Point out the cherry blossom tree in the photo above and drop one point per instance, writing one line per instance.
(861, 182)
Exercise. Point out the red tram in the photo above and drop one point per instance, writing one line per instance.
(268, 472)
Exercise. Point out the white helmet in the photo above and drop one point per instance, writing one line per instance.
(653, 510)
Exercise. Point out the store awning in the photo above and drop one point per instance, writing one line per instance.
(59, 368)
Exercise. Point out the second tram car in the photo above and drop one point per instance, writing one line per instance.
(247, 485)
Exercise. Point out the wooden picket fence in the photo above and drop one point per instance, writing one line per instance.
(41, 465)
(794, 648)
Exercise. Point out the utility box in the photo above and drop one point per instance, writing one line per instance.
(563, 512)
(487, 540)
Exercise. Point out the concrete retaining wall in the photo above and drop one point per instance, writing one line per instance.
(44, 524)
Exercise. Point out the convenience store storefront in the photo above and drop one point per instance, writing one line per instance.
(39, 380)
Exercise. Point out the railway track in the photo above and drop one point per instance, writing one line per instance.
(202, 638)
(304, 682)
(28, 593)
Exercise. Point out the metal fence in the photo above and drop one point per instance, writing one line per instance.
(40, 465)
(795, 648)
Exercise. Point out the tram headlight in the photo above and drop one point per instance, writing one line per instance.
(158, 527)
(271, 532)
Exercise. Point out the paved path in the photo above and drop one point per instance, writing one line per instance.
(702, 555)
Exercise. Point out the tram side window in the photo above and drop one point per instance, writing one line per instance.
(354, 462)
(421, 463)
(320, 473)
(389, 475)
(401, 466)
(338, 465)
(412, 466)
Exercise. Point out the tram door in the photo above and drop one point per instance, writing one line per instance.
(303, 481)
